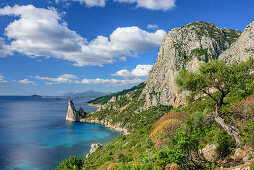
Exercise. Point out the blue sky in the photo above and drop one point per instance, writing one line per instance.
(56, 46)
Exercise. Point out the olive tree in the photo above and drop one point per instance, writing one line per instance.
(217, 80)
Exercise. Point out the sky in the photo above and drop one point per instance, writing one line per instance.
(52, 47)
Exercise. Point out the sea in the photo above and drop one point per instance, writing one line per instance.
(35, 136)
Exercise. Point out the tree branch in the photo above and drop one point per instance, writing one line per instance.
(210, 96)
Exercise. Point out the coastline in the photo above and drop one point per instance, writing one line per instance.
(106, 124)
(94, 105)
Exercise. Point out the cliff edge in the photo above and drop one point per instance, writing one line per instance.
(184, 47)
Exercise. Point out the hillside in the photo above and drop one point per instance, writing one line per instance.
(202, 133)
(104, 99)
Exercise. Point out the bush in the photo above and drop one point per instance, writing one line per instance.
(245, 107)
(225, 144)
(252, 166)
(170, 115)
(248, 133)
(166, 129)
(71, 163)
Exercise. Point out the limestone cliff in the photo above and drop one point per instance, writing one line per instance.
(74, 115)
(243, 48)
(184, 47)
(94, 147)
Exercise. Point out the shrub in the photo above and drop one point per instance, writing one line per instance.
(71, 163)
(166, 129)
(224, 145)
(245, 107)
(248, 133)
(170, 115)
(252, 166)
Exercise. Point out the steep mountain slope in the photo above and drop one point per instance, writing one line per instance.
(184, 47)
(243, 48)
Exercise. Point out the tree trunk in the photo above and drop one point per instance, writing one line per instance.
(232, 131)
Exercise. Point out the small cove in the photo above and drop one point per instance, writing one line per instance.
(34, 134)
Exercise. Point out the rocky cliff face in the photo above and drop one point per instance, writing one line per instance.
(184, 47)
(94, 147)
(74, 115)
(243, 48)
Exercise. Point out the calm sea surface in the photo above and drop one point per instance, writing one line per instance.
(34, 134)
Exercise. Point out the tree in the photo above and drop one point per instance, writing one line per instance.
(217, 80)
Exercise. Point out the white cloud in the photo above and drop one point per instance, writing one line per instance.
(152, 27)
(148, 4)
(110, 82)
(89, 3)
(152, 4)
(26, 81)
(70, 78)
(66, 78)
(2, 80)
(42, 32)
(139, 71)
(4, 49)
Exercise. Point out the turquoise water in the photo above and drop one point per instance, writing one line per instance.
(34, 134)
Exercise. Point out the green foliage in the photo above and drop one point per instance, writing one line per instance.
(216, 74)
(183, 149)
(248, 133)
(252, 166)
(245, 107)
(211, 30)
(161, 134)
(225, 144)
(105, 99)
(171, 115)
(71, 163)
(200, 52)
(121, 150)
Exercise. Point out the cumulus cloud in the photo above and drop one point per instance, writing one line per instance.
(139, 71)
(26, 81)
(110, 82)
(152, 27)
(4, 49)
(152, 4)
(66, 78)
(42, 32)
(2, 80)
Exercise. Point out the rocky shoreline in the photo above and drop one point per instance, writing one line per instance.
(74, 115)
(106, 124)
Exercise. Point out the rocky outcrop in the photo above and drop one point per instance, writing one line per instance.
(94, 147)
(106, 123)
(184, 47)
(74, 115)
(243, 48)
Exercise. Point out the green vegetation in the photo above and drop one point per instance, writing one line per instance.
(71, 163)
(132, 106)
(105, 99)
(211, 30)
(226, 80)
(164, 136)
